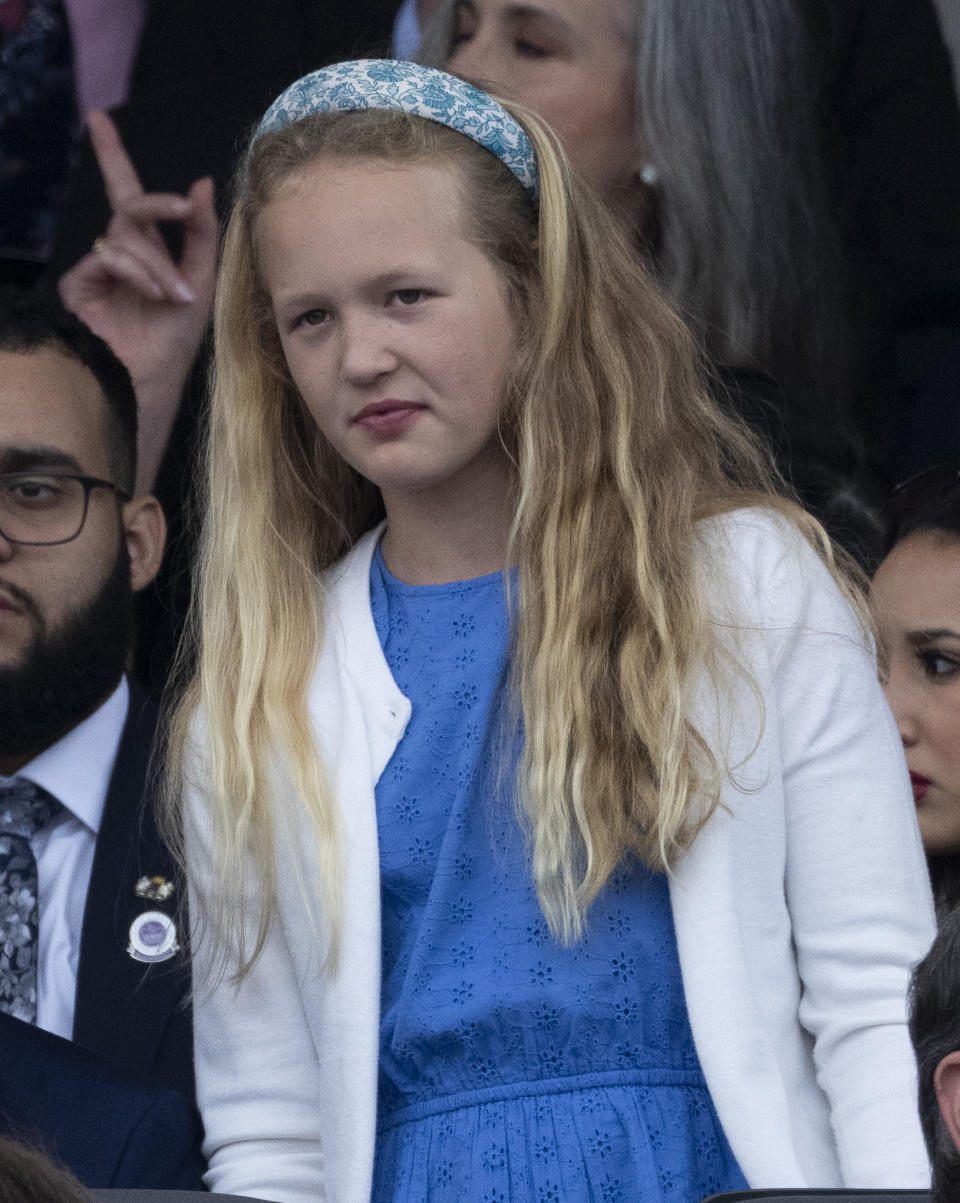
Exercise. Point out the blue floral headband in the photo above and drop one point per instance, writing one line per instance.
(409, 88)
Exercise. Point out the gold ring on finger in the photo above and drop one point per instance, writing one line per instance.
(98, 244)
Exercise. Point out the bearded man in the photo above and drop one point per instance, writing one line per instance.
(90, 946)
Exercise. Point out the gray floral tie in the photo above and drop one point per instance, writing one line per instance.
(24, 809)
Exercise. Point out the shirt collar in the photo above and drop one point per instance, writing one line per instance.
(76, 770)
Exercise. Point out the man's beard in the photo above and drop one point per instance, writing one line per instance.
(65, 674)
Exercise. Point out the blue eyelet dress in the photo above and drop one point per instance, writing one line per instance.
(512, 1068)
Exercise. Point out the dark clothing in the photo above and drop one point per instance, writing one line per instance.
(133, 1014)
(110, 1128)
(38, 122)
(819, 454)
(892, 131)
(116, 1104)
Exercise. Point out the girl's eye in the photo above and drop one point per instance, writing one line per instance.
(409, 296)
(313, 317)
(939, 667)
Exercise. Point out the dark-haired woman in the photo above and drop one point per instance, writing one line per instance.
(916, 603)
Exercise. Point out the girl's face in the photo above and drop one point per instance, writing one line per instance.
(395, 327)
(916, 603)
(568, 60)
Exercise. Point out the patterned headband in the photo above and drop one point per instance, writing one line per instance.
(409, 88)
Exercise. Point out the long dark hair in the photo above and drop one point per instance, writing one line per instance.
(929, 501)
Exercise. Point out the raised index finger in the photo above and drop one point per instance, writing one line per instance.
(119, 174)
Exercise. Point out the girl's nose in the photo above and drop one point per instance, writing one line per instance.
(366, 351)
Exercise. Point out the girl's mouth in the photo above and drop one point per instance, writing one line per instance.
(388, 418)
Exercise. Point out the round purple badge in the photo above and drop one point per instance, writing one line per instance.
(153, 937)
(152, 934)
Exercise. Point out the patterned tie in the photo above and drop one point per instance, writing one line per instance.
(24, 809)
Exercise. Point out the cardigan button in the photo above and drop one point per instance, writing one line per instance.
(394, 719)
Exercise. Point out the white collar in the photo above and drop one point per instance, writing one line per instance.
(76, 769)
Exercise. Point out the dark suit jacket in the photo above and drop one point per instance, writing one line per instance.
(892, 136)
(132, 1014)
(109, 1128)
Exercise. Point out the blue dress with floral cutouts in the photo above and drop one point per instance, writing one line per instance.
(512, 1068)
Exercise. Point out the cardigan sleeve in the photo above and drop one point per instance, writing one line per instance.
(258, 1088)
(856, 884)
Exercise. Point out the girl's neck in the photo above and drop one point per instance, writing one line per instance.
(432, 543)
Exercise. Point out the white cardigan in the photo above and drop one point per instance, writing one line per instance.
(799, 910)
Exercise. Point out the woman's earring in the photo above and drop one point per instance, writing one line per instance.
(650, 175)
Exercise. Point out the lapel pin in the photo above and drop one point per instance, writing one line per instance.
(153, 937)
(154, 889)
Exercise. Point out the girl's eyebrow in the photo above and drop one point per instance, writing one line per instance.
(412, 271)
(930, 635)
(405, 274)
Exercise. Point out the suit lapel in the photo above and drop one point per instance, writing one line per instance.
(123, 1005)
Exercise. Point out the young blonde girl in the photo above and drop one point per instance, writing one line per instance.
(442, 939)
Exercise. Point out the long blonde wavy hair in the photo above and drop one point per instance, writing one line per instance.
(619, 452)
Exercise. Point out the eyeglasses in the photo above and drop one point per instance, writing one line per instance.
(44, 508)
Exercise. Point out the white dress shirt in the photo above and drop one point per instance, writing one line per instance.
(76, 770)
